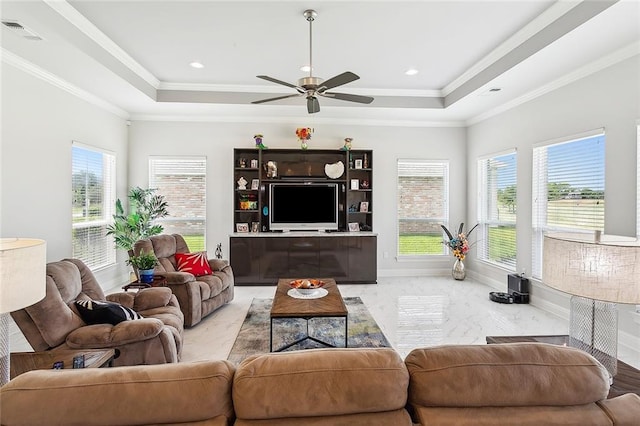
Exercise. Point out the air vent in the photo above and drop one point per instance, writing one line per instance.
(20, 30)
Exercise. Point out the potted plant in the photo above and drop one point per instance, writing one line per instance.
(145, 206)
(145, 263)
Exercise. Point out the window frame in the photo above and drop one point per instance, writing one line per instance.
(484, 222)
(539, 210)
(152, 184)
(108, 210)
(445, 165)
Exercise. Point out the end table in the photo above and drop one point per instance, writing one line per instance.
(21, 362)
(158, 281)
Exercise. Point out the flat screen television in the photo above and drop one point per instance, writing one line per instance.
(303, 206)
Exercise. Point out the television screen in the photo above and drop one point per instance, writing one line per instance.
(303, 206)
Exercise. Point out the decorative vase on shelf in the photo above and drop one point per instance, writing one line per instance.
(458, 271)
(304, 144)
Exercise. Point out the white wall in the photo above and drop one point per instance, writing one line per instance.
(217, 141)
(609, 99)
(39, 122)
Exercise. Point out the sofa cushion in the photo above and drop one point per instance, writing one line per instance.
(194, 263)
(320, 382)
(97, 312)
(515, 374)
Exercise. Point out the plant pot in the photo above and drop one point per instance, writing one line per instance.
(146, 275)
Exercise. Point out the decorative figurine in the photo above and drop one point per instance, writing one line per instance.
(272, 169)
(242, 183)
(365, 161)
(219, 251)
(259, 144)
(347, 144)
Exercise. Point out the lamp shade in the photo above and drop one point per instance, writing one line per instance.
(23, 273)
(607, 270)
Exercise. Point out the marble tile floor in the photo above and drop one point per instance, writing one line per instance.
(411, 311)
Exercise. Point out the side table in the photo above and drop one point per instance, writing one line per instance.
(21, 362)
(627, 380)
(158, 281)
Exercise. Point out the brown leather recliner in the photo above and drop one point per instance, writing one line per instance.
(198, 296)
(55, 323)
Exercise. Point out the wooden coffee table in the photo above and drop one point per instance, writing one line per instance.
(285, 306)
(626, 380)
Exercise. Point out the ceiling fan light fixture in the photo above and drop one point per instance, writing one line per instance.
(311, 87)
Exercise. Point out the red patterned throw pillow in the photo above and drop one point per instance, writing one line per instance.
(195, 263)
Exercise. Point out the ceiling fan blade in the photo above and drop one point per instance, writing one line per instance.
(313, 105)
(348, 97)
(284, 83)
(338, 80)
(275, 99)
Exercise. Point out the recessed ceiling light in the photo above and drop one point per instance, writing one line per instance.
(305, 68)
(411, 71)
(196, 64)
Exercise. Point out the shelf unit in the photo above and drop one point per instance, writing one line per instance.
(355, 200)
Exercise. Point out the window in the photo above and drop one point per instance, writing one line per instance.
(497, 210)
(568, 189)
(93, 188)
(423, 205)
(182, 181)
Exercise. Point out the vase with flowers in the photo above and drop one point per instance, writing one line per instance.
(459, 245)
(304, 134)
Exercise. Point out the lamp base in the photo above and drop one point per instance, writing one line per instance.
(593, 328)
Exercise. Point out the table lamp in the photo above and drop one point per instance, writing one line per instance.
(23, 274)
(598, 271)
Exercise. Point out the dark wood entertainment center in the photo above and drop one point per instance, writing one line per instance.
(260, 256)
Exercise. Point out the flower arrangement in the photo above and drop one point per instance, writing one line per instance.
(304, 134)
(460, 243)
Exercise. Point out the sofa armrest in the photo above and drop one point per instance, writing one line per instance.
(623, 410)
(181, 393)
(125, 299)
(218, 264)
(149, 298)
(178, 277)
(100, 336)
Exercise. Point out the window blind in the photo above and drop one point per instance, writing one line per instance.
(93, 189)
(568, 190)
(496, 232)
(182, 181)
(423, 205)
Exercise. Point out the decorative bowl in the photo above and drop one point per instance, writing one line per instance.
(306, 286)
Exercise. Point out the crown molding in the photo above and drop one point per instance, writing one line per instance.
(295, 120)
(618, 56)
(68, 12)
(34, 70)
(532, 28)
(256, 88)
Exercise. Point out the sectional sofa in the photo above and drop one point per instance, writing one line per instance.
(520, 383)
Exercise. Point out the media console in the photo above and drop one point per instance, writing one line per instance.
(263, 258)
(270, 194)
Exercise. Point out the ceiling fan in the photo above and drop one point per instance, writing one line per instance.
(311, 87)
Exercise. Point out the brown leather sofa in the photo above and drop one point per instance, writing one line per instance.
(54, 322)
(512, 384)
(197, 296)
